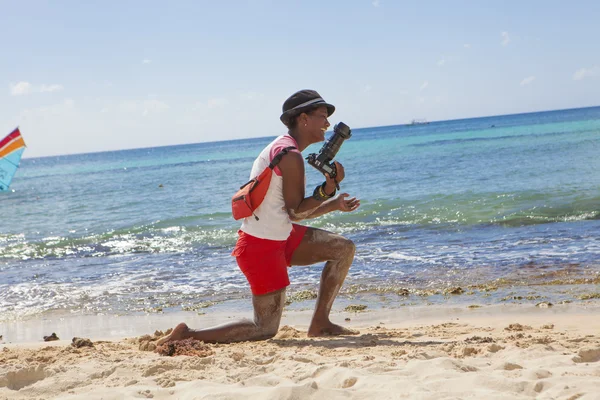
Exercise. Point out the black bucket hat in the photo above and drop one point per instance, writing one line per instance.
(303, 101)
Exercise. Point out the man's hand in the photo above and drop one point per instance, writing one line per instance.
(346, 205)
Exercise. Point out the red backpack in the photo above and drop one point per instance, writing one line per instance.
(252, 193)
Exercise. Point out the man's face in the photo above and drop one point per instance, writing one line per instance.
(317, 124)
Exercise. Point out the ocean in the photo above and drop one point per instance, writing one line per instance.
(469, 212)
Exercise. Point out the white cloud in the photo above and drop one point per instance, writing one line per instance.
(155, 105)
(51, 88)
(441, 62)
(41, 114)
(212, 105)
(467, 46)
(146, 61)
(505, 38)
(20, 88)
(128, 106)
(376, 3)
(527, 80)
(583, 73)
(23, 88)
(251, 96)
(424, 85)
(217, 103)
(145, 107)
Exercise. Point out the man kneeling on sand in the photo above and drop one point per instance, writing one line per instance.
(268, 245)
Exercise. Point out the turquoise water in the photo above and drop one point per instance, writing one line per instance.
(503, 207)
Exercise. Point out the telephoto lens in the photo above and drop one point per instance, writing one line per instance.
(324, 160)
(341, 132)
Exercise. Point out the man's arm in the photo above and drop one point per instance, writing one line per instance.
(327, 206)
(298, 206)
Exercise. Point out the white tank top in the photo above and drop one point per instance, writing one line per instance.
(274, 222)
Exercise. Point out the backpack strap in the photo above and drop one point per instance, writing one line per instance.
(279, 156)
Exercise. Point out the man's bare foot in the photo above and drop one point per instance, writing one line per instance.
(180, 332)
(329, 329)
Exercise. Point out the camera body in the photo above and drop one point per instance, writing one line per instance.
(324, 160)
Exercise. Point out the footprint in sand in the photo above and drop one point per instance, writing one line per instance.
(165, 382)
(510, 366)
(454, 365)
(263, 361)
(302, 359)
(158, 369)
(469, 351)
(146, 393)
(349, 382)
(494, 348)
(540, 374)
(16, 380)
(587, 355)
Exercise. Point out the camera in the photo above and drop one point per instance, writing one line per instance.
(324, 160)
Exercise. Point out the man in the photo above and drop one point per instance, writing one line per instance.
(270, 242)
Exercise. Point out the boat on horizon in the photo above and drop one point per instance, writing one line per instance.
(422, 121)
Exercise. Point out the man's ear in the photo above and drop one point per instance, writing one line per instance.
(302, 119)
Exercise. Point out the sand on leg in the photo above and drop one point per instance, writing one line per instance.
(267, 316)
(317, 246)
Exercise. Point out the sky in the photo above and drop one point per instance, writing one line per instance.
(88, 76)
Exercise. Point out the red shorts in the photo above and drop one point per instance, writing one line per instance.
(265, 262)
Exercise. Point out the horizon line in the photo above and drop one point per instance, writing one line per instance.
(270, 136)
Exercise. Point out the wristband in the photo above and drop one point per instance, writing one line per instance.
(334, 189)
(319, 193)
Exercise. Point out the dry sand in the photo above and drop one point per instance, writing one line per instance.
(495, 353)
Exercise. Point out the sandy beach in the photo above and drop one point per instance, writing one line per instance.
(497, 352)
(427, 176)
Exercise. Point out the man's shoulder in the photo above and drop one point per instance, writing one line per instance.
(280, 143)
(283, 140)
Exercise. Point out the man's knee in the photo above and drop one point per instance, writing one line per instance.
(267, 330)
(349, 247)
(270, 333)
(343, 254)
